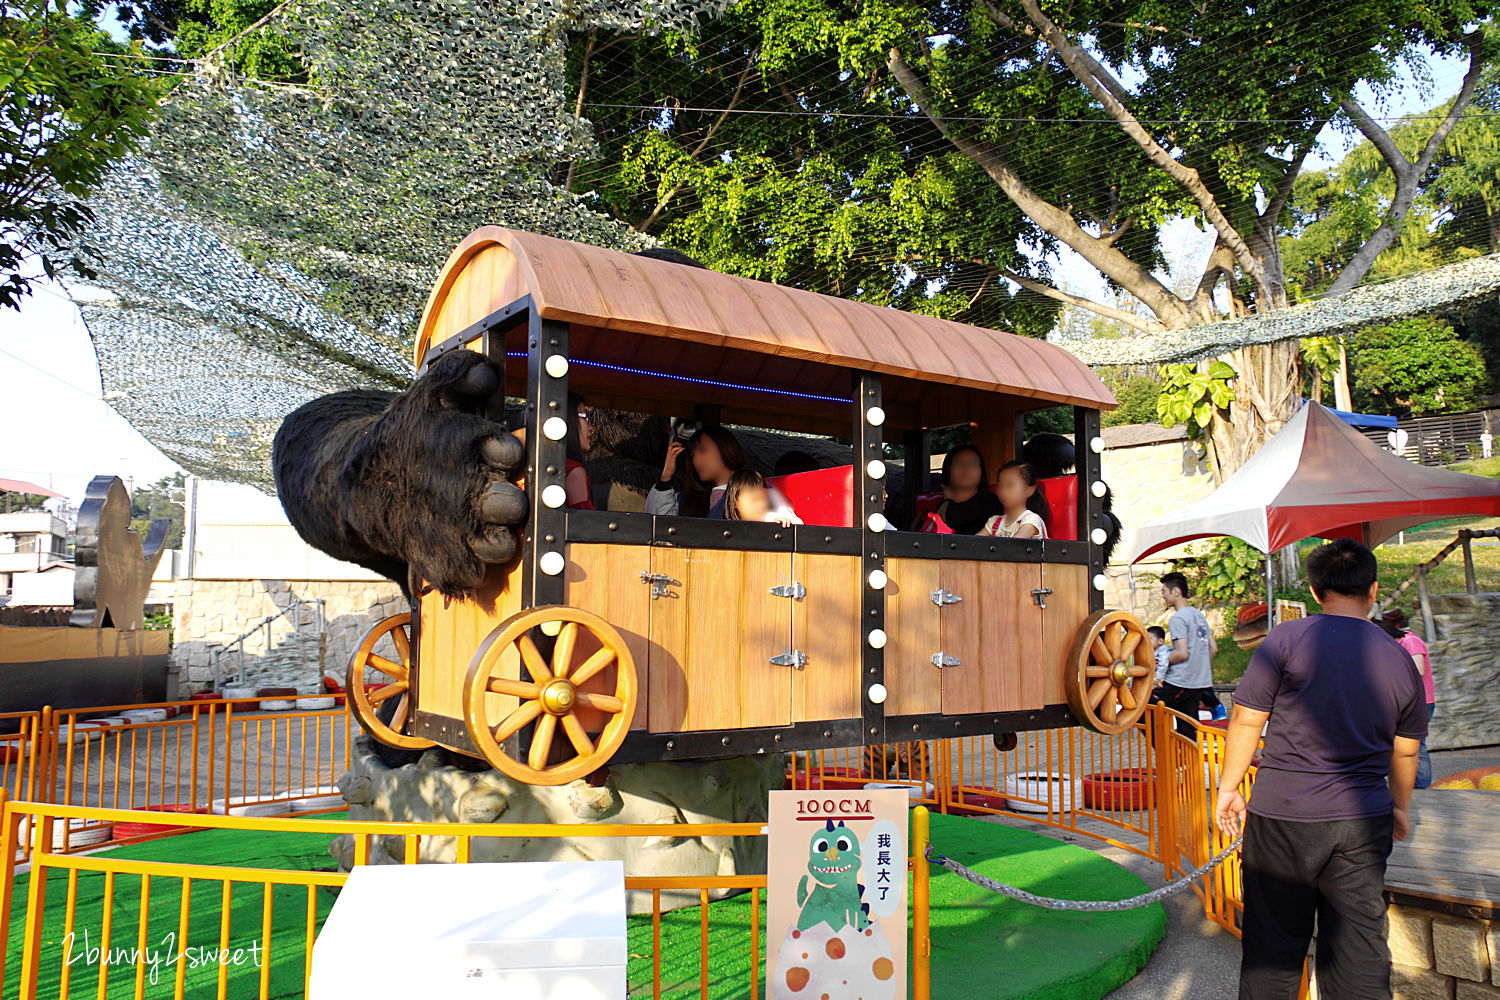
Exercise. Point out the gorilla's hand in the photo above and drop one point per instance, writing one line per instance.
(414, 485)
(428, 482)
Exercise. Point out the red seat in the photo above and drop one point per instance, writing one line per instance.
(823, 496)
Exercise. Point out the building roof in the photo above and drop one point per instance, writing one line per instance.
(709, 322)
(1133, 435)
(21, 486)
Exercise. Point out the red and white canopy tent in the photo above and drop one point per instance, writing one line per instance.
(1321, 478)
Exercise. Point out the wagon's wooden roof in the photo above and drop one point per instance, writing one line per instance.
(609, 290)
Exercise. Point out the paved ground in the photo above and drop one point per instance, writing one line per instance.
(1198, 959)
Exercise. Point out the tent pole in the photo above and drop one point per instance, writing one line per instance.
(1270, 596)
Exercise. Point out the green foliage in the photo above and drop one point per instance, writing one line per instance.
(1415, 366)
(159, 621)
(1138, 394)
(1231, 571)
(1321, 356)
(162, 499)
(72, 104)
(1193, 397)
(1051, 420)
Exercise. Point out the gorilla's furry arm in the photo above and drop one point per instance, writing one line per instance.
(412, 485)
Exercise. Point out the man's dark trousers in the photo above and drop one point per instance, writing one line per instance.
(1334, 870)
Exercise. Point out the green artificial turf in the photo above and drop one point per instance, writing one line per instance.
(982, 945)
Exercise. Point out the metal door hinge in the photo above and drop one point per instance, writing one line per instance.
(659, 583)
(1039, 595)
(793, 590)
(791, 658)
(941, 660)
(941, 597)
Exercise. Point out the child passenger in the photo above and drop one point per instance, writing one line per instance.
(1025, 507)
(748, 498)
(1159, 650)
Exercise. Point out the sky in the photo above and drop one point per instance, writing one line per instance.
(61, 433)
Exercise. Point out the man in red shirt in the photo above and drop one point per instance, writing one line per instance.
(1343, 711)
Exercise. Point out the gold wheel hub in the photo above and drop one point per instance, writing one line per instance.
(1119, 673)
(558, 696)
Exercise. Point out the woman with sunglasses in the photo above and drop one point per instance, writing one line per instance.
(580, 440)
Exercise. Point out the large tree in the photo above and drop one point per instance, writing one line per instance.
(72, 105)
(907, 151)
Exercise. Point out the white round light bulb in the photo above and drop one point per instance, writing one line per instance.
(877, 694)
(1099, 581)
(555, 428)
(878, 579)
(875, 415)
(1099, 535)
(1096, 445)
(877, 521)
(556, 365)
(551, 563)
(554, 496)
(876, 469)
(1098, 489)
(877, 638)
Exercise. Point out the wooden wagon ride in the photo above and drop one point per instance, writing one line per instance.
(624, 637)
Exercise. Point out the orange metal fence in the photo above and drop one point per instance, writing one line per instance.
(199, 929)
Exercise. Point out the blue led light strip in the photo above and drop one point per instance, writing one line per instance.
(695, 381)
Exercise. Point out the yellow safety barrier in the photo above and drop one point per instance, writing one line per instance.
(97, 884)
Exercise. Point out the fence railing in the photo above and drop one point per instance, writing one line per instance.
(188, 929)
(1149, 790)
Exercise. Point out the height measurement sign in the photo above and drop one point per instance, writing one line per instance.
(836, 895)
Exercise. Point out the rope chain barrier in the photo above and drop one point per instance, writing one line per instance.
(1087, 905)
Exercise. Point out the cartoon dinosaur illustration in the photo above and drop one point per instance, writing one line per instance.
(830, 891)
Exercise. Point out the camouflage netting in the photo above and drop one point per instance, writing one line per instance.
(1442, 289)
(276, 242)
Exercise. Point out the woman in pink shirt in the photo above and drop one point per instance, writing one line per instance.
(1394, 622)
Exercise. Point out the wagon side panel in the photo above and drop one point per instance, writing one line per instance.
(450, 635)
(994, 632)
(1067, 607)
(606, 579)
(825, 627)
(912, 682)
(712, 638)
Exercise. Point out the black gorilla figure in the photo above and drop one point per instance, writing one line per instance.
(1053, 455)
(413, 485)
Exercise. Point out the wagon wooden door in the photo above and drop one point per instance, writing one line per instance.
(715, 627)
(991, 631)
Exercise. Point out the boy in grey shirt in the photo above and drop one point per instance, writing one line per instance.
(1190, 663)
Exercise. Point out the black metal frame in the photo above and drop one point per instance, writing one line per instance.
(551, 529)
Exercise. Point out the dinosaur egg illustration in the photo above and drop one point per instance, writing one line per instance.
(846, 964)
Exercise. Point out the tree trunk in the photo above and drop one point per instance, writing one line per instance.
(1265, 394)
(1341, 398)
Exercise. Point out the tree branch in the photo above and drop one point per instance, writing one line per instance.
(1125, 316)
(1408, 173)
(1115, 265)
(1102, 84)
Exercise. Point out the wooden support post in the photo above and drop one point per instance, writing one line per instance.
(1089, 469)
(1471, 584)
(546, 462)
(1426, 605)
(869, 519)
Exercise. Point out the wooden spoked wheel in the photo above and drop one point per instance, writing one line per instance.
(1113, 672)
(370, 700)
(549, 694)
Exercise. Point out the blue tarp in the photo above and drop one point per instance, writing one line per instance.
(1361, 419)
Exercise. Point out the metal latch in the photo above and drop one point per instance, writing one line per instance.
(659, 583)
(791, 658)
(941, 597)
(793, 590)
(941, 660)
(1039, 595)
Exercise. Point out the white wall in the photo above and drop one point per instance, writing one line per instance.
(242, 534)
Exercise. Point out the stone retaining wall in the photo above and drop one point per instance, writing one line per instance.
(1464, 666)
(212, 612)
(1439, 957)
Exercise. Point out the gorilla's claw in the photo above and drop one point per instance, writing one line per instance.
(496, 545)
(504, 504)
(503, 452)
(472, 389)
